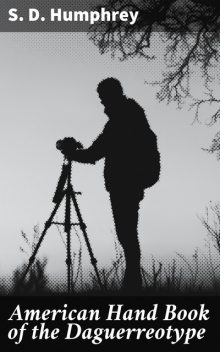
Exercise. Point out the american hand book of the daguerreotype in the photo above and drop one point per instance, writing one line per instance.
(110, 174)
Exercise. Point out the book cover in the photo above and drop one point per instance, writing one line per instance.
(109, 174)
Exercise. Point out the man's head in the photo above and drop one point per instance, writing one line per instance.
(110, 92)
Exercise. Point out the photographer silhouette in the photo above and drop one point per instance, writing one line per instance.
(132, 163)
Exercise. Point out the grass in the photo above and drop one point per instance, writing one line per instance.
(195, 275)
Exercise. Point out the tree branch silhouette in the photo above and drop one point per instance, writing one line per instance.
(190, 30)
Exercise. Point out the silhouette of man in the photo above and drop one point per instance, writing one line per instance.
(128, 146)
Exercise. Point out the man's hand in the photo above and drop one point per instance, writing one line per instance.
(73, 150)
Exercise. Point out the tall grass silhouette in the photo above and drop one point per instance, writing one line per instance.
(36, 281)
(181, 275)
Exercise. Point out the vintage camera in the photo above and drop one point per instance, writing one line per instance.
(68, 144)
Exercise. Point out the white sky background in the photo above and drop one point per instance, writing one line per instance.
(48, 91)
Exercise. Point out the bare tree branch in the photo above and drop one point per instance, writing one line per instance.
(191, 32)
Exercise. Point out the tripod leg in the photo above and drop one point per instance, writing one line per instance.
(68, 237)
(83, 228)
(47, 226)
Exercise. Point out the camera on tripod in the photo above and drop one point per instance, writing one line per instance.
(68, 144)
(65, 191)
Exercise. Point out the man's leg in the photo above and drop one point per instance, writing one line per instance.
(125, 212)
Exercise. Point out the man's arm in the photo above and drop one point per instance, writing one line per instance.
(90, 155)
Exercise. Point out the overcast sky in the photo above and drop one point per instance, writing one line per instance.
(48, 91)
